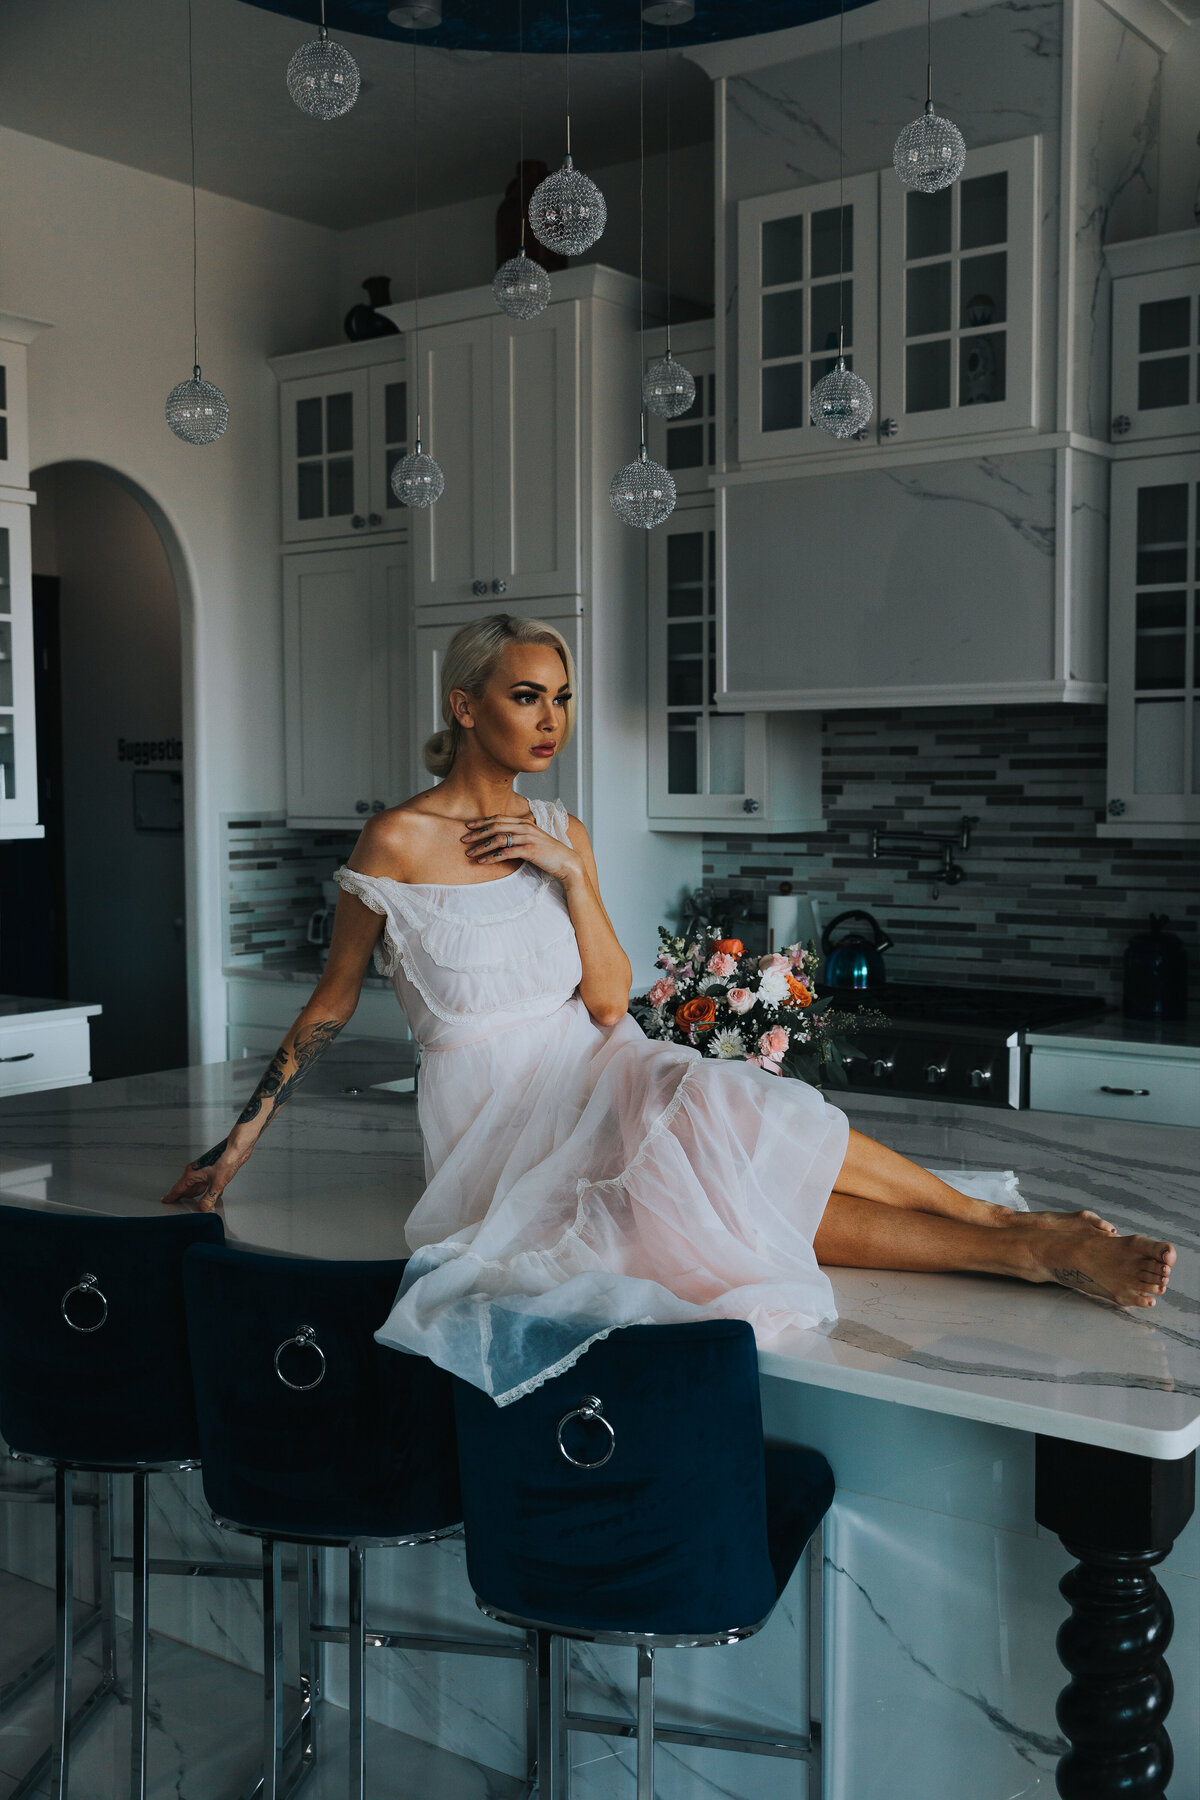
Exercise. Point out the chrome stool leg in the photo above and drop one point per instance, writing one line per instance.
(272, 1671)
(141, 1635)
(102, 1554)
(645, 1723)
(64, 1636)
(308, 1586)
(357, 1653)
(531, 1712)
(552, 1708)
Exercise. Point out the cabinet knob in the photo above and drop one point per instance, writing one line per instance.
(889, 428)
(377, 806)
(1116, 808)
(1121, 425)
(479, 587)
(362, 806)
(374, 518)
(358, 522)
(749, 806)
(499, 587)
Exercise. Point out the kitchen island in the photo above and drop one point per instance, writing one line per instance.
(930, 1395)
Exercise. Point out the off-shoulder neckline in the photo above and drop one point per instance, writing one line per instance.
(454, 887)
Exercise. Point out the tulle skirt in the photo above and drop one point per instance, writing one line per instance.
(585, 1177)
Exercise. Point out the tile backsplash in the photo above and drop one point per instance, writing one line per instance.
(273, 884)
(1046, 904)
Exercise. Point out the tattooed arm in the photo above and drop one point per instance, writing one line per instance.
(356, 929)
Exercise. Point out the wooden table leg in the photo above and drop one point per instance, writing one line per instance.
(1118, 1515)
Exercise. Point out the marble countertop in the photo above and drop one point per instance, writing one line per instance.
(1180, 1039)
(339, 1171)
(40, 1012)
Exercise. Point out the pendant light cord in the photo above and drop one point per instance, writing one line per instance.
(568, 73)
(416, 332)
(841, 179)
(928, 55)
(669, 290)
(521, 115)
(324, 32)
(642, 223)
(195, 256)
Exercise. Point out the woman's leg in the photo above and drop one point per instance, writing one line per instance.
(873, 1172)
(858, 1233)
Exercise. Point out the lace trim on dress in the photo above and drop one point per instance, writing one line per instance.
(388, 951)
(656, 1130)
(564, 1363)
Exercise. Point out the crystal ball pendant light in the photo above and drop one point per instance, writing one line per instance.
(668, 389)
(930, 153)
(416, 479)
(521, 287)
(323, 78)
(197, 410)
(841, 403)
(642, 493)
(567, 211)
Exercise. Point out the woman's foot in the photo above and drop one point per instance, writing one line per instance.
(984, 1212)
(1129, 1271)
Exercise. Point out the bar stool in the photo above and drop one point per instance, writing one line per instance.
(312, 1433)
(94, 1376)
(633, 1501)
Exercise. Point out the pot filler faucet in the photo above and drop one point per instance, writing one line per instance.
(917, 844)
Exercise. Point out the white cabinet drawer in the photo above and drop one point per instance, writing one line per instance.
(275, 1004)
(44, 1056)
(1105, 1084)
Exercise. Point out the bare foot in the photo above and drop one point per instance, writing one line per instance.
(1042, 1221)
(1130, 1271)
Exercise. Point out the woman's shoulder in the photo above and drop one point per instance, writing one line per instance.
(394, 843)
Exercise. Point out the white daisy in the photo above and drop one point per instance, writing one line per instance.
(728, 1044)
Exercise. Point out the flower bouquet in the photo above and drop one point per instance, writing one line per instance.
(757, 1009)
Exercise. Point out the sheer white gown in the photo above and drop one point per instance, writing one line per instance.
(581, 1177)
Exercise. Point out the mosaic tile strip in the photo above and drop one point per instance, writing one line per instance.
(273, 884)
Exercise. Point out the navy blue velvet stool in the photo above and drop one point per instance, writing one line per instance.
(312, 1433)
(94, 1376)
(633, 1501)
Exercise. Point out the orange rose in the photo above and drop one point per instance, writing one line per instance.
(699, 1014)
(731, 946)
(800, 995)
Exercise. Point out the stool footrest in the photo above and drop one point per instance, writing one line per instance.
(234, 1569)
(411, 1640)
(753, 1743)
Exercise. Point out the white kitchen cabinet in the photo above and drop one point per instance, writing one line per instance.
(1154, 648)
(1156, 338)
(347, 663)
(1159, 1086)
(687, 446)
(343, 416)
(500, 411)
(18, 726)
(43, 1049)
(710, 769)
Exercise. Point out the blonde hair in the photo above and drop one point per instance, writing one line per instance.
(470, 662)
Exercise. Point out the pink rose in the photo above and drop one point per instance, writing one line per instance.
(662, 990)
(765, 1062)
(774, 1043)
(773, 962)
(719, 963)
(740, 999)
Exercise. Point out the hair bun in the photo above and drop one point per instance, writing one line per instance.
(438, 753)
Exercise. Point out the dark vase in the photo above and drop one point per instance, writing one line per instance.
(362, 321)
(508, 220)
(1155, 986)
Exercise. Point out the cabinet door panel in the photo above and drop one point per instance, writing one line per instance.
(1156, 354)
(452, 540)
(324, 443)
(535, 453)
(18, 730)
(392, 626)
(330, 684)
(391, 424)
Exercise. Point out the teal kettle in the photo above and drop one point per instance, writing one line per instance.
(857, 961)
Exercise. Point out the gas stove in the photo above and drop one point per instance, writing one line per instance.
(950, 1043)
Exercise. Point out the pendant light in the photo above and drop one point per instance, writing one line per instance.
(197, 411)
(930, 153)
(416, 479)
(567, 211)
(323, 77)
(521, 287)
(841, 403)
(668, 389)
(643, 492)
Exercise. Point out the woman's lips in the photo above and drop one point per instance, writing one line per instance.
(543, 750)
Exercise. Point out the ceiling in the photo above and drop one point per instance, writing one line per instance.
(111, 79)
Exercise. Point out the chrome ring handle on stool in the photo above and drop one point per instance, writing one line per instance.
(87, 1284)
(588, 1410)
(304, 1339)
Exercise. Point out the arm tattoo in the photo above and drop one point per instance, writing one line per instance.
(211, 1156)
(277, 1084)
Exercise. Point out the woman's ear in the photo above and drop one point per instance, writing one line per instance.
(461, 707)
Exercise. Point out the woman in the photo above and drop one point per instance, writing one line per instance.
(580, 1176)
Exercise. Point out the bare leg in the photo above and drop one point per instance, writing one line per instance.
(868, 1234)
(873, 1172)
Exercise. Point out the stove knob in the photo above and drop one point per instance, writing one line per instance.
(935, 1073)
(981, 1078)
(882, 1067)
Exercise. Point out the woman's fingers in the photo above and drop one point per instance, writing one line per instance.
(195, 1186)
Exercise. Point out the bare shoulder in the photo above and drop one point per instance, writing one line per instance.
(395, 843)
(577, 833)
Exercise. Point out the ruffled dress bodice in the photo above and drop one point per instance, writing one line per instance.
(581, 1177)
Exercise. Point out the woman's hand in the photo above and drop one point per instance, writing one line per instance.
(503, 838)
(205, 1180)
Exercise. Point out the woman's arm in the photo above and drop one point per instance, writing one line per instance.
(607, 973)
(331, 1006)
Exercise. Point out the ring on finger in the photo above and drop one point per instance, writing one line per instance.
(508, 840)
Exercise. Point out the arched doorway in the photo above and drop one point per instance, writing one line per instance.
(108, 619)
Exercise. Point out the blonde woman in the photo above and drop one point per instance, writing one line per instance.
(580, 1176)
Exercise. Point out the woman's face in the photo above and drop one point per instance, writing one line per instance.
(519, 720)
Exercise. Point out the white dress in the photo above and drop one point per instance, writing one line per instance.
(581, 1177)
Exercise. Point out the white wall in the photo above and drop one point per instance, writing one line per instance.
(458, 243)
(1179, 162)
(103, 252)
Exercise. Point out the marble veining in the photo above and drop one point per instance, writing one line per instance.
(1016, 510)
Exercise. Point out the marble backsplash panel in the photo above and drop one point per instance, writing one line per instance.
(1045, 903)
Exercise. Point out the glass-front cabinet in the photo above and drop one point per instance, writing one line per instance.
(1154, 647)
(1156, 354)
(741, 771)
(18, 746)
(342, 432)
(687, 446)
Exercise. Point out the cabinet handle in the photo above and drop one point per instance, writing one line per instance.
(1116, 808)
(374, 518)
(25, 1056)
(1121, 424)
(499, 587)
(358, 521)
(377, 806)
(362, 806)
(479, 587)
(750, 806)
(1140, 1092)
(981, 1078)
